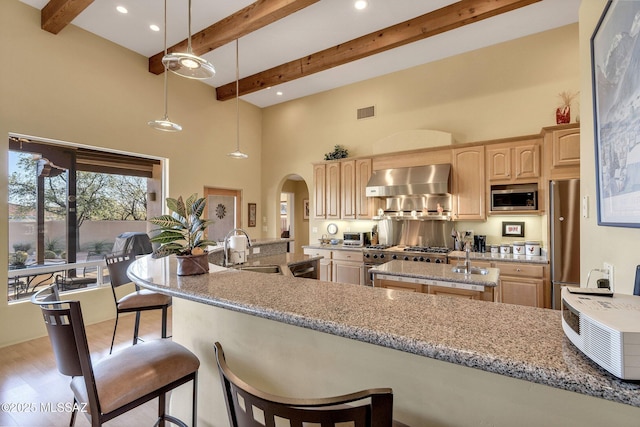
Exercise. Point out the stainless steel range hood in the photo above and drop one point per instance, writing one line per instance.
(429, 179)
(416, 193)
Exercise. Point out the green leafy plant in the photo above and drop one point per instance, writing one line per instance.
(339, 152)
(182, 232)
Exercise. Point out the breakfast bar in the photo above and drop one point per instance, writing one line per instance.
(449, 361)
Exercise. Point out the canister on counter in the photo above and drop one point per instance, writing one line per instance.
(532, 248)
(518, 248)
(505, 248)
(495, 249)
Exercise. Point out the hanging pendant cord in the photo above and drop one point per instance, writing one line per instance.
(189, 39)
(237, 99)
(166, 103)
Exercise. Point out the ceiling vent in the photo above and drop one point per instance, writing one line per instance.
(366, 112)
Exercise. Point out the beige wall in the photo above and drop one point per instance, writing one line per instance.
(79, 88)
(501, 91)
(615, 245)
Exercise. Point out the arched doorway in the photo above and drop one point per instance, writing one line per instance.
(293, 211)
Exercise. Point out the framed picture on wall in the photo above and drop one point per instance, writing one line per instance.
(615, 66)
(252, 215)
(513, 229)
(305, 209)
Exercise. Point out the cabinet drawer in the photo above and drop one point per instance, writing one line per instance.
(326, 253)
(520, 270)
(355, 256)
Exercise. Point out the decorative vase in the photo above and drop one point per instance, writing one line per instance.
(189, 265)
(563, 115)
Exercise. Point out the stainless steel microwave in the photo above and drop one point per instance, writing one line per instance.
(516, 197)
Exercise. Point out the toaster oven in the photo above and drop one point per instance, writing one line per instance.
(356, 238)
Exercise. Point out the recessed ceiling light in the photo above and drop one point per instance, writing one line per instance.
(154, 27)
(279, 93)
(122, 9)
(360, 4)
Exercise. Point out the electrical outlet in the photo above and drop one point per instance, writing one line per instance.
(256, 250)
(609, 268)
(314, 229)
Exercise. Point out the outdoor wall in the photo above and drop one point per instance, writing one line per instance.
(80, 88)
(502, 91)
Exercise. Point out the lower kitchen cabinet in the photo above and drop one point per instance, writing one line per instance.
(398, 286)
(325, 273)
(441, 289)
(522, 284)
(348, 267)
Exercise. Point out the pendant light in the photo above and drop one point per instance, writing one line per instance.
(187, 64)
(238, 154)
(165, 124)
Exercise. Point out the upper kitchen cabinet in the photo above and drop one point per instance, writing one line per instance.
(326, 190)
(514, 162)
(562, 151)
(468, 183)
(366, 207)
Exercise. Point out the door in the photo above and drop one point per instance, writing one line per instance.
(224, 208)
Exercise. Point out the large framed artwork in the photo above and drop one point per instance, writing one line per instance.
(615, 66)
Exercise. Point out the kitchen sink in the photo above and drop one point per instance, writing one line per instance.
(269, 269)
(472, 270)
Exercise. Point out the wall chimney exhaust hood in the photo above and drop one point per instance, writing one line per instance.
(417, 180)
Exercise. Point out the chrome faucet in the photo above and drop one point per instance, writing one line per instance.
(226, 240)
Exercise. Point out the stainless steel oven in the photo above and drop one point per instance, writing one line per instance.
(379, 254)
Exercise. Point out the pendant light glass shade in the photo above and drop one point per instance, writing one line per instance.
(165, 124)
(187, 64)
(238, 154)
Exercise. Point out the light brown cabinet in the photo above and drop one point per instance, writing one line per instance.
(348, 267)
(522, 284)
(398, 286)
(514, 162)
(348, 189)
(325, 264)
(326, 182)
(366, 207)
(562, 151)
(468, 183)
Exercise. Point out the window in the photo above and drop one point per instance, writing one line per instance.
(67, 205)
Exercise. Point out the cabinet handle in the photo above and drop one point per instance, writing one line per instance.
(517, 269)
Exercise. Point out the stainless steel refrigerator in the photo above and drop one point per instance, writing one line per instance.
(564, 226)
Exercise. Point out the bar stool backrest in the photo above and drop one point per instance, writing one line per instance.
(250, 407)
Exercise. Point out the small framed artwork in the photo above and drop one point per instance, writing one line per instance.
(252, 215)
(513, 229)
(305, 209)
(283, 208)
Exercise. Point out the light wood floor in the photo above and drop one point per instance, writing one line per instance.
(29, 376)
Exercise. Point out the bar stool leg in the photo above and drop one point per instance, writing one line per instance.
(136, 328)
(164, 322)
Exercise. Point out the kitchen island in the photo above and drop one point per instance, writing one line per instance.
(449, 361)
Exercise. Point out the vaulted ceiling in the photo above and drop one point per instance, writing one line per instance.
(293, 48)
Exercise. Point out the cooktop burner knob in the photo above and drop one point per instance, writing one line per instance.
(367, 255)
(406, 258)
(438, 261)
(375, 256)
(381, 256)
(415, 258)
(428, 260)
(421, 259)
(394, 256)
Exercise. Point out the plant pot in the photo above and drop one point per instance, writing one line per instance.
(189, 265)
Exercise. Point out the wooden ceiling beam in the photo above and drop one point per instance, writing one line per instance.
(246, 20)
(57, 14)
(439, 21)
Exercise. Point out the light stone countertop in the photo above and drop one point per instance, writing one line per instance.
(331, 247)
(488, 256)
(432, 271)
(517, 341)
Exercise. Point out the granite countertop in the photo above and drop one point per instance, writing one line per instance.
(431, 271)
(488, 256)
(284, 261)
(517, 341)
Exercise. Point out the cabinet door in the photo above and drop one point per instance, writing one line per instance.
(522, 291)
(527, 161)
(397, 286)
(365, 206)
(319, 192)
(499, 160)
(455, 292)
(325, 270)
(348, 189)
(468, 183)
(348, 272)
(332, 188)
(566, 148)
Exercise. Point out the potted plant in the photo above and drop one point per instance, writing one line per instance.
(182, 232)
